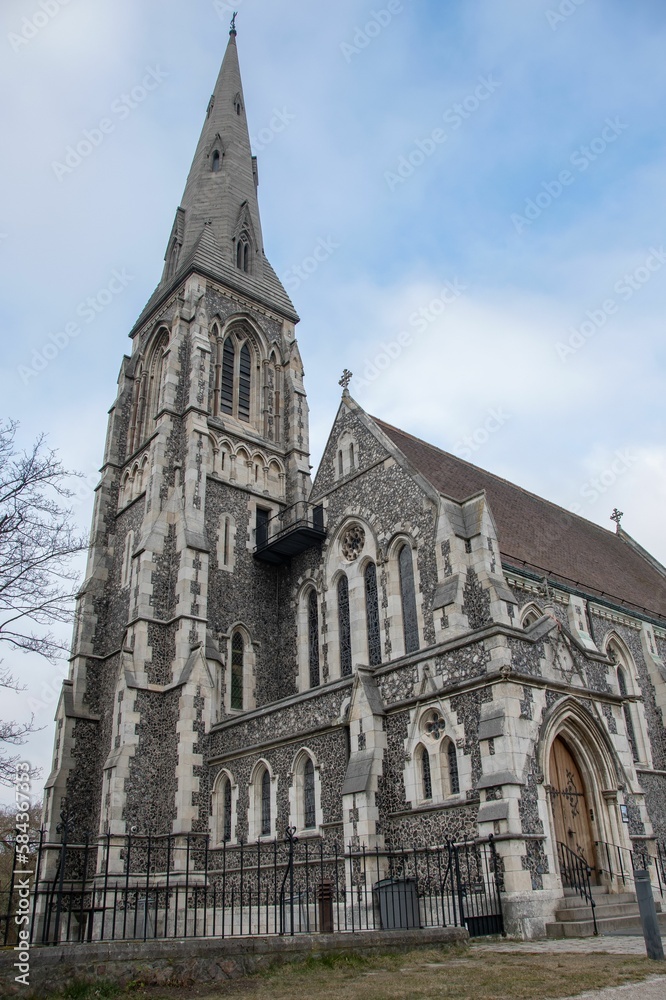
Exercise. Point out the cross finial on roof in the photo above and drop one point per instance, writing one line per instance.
(617, 516)
(347, 376)
(233, 24)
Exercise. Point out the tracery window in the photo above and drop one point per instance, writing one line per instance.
(313, 638)
(243, 252)
(426, 777)
(265, 804)
(372, 616)
(237, 665)
(410, 624)
(309, 805)
(344, 628)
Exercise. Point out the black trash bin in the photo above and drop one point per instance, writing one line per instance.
(398, 903)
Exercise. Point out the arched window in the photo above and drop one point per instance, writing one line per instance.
(628, 720)
(426, 777)
(126, 572)
(216, 163)
(410, 624)
(237, 670)
(344, 628)
(341, 467)
(530, 615)
(313, 638)
(351, 456)
(309, 804)
(226, 810)
(449, 749)
(265, 804)
(243, 252)
(372, 615)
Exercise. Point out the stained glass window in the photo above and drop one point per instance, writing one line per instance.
(237, 657)
(454, 779)
(372, 616)
(244, 383)
(226, 805)
(344, 627)
(309, 810)
(425, 774)
(265, 804)
(628, 720)
(313, 638)
(410, 624)
(228, 365)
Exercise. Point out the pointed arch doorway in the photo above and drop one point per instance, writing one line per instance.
(570, 803)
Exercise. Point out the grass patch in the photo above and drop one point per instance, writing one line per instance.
(437, 974)
(84, 990)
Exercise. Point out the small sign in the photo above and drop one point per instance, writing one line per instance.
(624, 813)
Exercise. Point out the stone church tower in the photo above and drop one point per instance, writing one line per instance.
(207, 441)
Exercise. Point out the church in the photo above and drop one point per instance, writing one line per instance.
(405, 649)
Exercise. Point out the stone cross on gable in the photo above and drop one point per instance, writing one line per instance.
(617, 516)
(347, 376)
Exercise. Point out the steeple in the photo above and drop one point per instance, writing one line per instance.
(217, 227)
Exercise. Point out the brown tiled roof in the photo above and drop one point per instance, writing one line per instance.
(542, 537)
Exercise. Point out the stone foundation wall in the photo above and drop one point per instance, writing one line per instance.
(213, 960)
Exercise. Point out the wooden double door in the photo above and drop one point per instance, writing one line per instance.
(571, 807)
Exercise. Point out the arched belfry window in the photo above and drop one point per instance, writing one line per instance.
(313, 638)
(410, 624)
(372, 615)
(344, 627)
(236, 379)
(237, 670)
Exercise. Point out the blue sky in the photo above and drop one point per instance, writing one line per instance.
(488, 178)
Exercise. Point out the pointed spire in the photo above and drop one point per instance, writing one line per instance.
(217, 227)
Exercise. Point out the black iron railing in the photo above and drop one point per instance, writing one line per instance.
(576, 874)
(300, 515)
(145, 887)
(618, 864)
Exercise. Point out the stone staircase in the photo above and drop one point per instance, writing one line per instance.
(617, 913)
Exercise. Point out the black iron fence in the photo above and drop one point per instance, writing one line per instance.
(146, 887)
(618, 864)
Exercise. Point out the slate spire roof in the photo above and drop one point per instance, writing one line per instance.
(219, 206)
(544, 539)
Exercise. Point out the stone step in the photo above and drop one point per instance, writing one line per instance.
(610, 925)
(603, 911)
(600, 898)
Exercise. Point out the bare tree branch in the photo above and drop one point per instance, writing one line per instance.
(37, 541)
